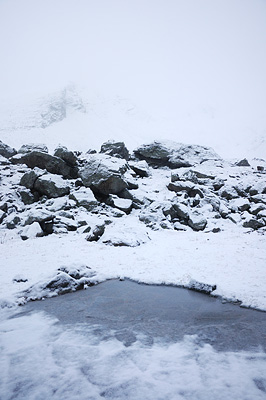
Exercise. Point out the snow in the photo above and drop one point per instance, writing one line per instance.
(40, 359)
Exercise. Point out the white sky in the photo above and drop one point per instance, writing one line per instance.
(171, 56)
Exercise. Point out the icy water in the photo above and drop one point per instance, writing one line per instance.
(162, 312)
(121, 340)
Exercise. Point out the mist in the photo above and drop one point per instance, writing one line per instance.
(199, 64)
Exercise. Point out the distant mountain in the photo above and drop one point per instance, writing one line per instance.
(83, 120)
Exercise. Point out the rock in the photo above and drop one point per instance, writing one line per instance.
(38, 215)
(127, 233)
(28, 148)
(235, 217)
(29, 178)
(84, 197)
(52, 186)
(256, 208)
(103, 174)
(6, 151)
(31, 231)
(68, 223)
(64, 283)
(122, 204)
(197, 222)
(228, 192)
(115, 149)
(180, 227)
(174, 155)
(2, 216)
(260, 168)
(27, 197)
(141, 168)
(181, 211)
(97, 232)
(201, 287)
(260, 198)
(12, 220)
(239, 204)
(54, 165)
(180, 186)
(243, 163)
(253, 223)
(4, 161)
(68, 156)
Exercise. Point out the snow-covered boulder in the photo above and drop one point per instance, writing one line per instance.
(104, 174)
(84, 197)
(115, 149)
(68, 156)
(28, 148)
(174, 155)
(127, 232)
(52, 164)
(141, 168)
(52, 185)
(197, 221)
(31, 231)
(6, 151)
(122, 204)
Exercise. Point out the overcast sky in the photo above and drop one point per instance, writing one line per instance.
(168, 55)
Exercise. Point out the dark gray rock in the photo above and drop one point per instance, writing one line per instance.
(27, 197)
(52, 164)
(68, 156)
(254, 223)
(228, 192)
(115, 149)
(2, 216)
(28, 148)
(31, 231)
(256, 208)
(243, 163)
(29, 178)
(52, 186)
(103, 174)
(7, 151)
(180, 186)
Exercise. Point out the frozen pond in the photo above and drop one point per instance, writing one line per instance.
(121, 340)
(163, 312)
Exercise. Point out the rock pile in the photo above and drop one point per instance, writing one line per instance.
(162, 185)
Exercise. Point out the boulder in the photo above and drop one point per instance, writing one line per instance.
(38, 215)
(96, 233)
(28, 148)
(256, 208)
(31, 231)
(115, 149)
(180, 186)
(12, 220)
(68, 223)
(52, 164)
(52, 186)
(141, 168)
(197, 222)
(122, 204)
(228, 192)
(2, 216)
(68, 156)
(243, 163)
(174, 155)
(253, 223)
(104, 174)
(6, 151)
(239, 204)
(29, 178)
(84, 197)
(4, 161)
(27, 197)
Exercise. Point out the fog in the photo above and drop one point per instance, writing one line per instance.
(191, 61)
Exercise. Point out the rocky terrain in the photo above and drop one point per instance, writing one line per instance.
(117, 198)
